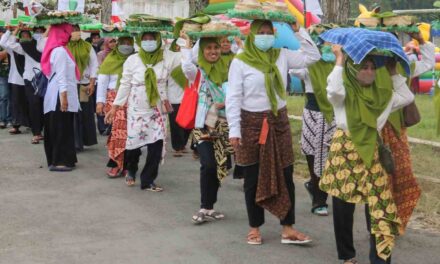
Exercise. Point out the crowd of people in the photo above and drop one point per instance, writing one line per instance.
(130, 88)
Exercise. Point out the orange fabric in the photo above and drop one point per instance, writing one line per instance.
(406, 191)
(118, 137)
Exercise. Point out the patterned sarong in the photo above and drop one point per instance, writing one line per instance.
(272, 157)
(347, 178)
(406, 191)
(118, 137)
(222, 148)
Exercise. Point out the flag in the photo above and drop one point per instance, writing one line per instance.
(116, 12)
(27, 7)
(71, 5)
(314, 7)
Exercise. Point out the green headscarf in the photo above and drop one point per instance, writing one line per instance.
(177, 73)
(217, 72)
(151, 58)
(318, 74)
(114, 62)
(266, 63)
(81, 52)
(363, 106)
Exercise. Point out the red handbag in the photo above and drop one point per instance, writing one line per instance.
(186, 117)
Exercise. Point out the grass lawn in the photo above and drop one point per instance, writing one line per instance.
(425, 159)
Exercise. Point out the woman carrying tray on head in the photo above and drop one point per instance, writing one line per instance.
(109, 76)
(318, 124)
(363, 95)
(87, 62)
(61, 99)
(260, 129)
(211, 129)
(143, 88)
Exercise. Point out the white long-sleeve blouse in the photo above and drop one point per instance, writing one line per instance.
(401, 97)
(247, 89)
(62, 79)
(134, 75)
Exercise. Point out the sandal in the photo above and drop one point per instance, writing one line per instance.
(40, 137)
(199, 218)
(154, 188)
(177, 154)
(254, 238)
(129, 180)
(35, 140)
(321, 211)
(60, 168)
(350, 261)
(297, 239)
(14, 131)
(213, 215)
(113, 173)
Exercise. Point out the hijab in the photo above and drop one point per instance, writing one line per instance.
(363, 107)
(217, 72)
(265, 62)
(150, 59)
(81, 52)
(106, 51)
(59, 36)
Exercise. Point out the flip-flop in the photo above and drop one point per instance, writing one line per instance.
(254, 238)
(295, 240)
(35, 141)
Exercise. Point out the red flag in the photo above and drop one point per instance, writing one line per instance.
(308, 19)
(116, 12)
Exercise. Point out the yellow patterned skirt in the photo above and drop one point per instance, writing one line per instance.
(347, 178)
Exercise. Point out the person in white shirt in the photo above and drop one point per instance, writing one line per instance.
(28, 47)
(61, 99)
(210, 76)
(143, 89)
(363, 96)
(87, 61)
(109, 75)
(18, 102)
(259, 126)
(176, 85)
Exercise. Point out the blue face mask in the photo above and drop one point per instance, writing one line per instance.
(149, 45)
(264, 42)
(327, 54)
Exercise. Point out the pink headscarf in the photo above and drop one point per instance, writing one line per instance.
(102, 54)
(59, 36)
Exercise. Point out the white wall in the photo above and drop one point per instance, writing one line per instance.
(163, 8)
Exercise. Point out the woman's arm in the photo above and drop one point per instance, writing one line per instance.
(234, 98)
(306, 56)
(103, 83)
(12, 44)
(125, 83)
(335, 84)
(188, 67)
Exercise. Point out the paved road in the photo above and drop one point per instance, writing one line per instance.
(83, 217)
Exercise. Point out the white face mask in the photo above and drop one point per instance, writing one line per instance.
(37, 36)
(264, 42)
(149, 45)
(126, 49)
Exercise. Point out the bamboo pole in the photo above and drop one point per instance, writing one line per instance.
(416, 11)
